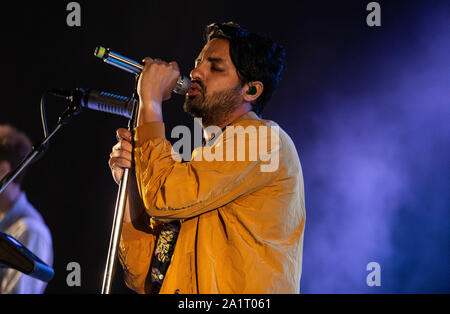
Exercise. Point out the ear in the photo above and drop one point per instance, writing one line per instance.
(5, 168)
(251, 97)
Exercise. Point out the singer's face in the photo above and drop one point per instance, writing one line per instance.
(216, 91)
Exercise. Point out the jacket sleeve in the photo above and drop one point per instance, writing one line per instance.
(172, 189)
(137, 242)
(135, 253)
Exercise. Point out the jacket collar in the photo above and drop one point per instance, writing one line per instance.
(251, 115)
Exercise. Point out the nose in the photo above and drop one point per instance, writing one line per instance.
(194, 74)
(197, 72)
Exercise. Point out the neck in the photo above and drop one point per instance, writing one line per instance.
(246, 107)
(9, 197)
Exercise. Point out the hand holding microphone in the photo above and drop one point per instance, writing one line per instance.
(157, 80)
(182, 84)
(156, 83)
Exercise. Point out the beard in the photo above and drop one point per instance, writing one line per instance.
(214, 109)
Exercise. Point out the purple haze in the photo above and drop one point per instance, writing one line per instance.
(377, 172)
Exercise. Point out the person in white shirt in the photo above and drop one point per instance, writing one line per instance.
(18, 218)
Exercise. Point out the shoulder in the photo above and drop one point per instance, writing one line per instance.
(33, 225)
(272, 142)
(36, 228)
(268, 129)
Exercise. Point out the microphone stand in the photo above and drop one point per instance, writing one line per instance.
(119, 210)
(73, 109)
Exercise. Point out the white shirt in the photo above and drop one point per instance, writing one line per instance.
(25, 224)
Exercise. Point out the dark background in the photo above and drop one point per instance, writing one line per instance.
(367, 107)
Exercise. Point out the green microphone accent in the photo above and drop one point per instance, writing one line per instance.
(251, 89)
(100, 52)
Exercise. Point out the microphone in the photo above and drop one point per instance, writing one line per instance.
(98, 101)
(126, 64)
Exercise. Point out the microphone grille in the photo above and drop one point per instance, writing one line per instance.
(183, 85)
(110, 103)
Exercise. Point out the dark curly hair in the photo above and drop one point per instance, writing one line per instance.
(256, 58)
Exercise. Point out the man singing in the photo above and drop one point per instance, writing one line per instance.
(228, 224)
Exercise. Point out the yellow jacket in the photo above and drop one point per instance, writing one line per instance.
(241, 228)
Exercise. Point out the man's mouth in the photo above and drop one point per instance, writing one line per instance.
(194, 90)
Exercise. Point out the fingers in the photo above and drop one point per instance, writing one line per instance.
(175, 66)
(124, 146)
(157, 81)
(117, 166)
(118, 162)
(116, 171)
(123, 150)
(149, 61)
(124, 134)
(121, 156)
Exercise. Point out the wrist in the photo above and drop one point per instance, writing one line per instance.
(149, 111)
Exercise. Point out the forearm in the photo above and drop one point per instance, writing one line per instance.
(155, 85)
(149, 111)
(175, 190)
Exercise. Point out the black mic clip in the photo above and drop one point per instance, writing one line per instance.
(61, 93)
(75, 99)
